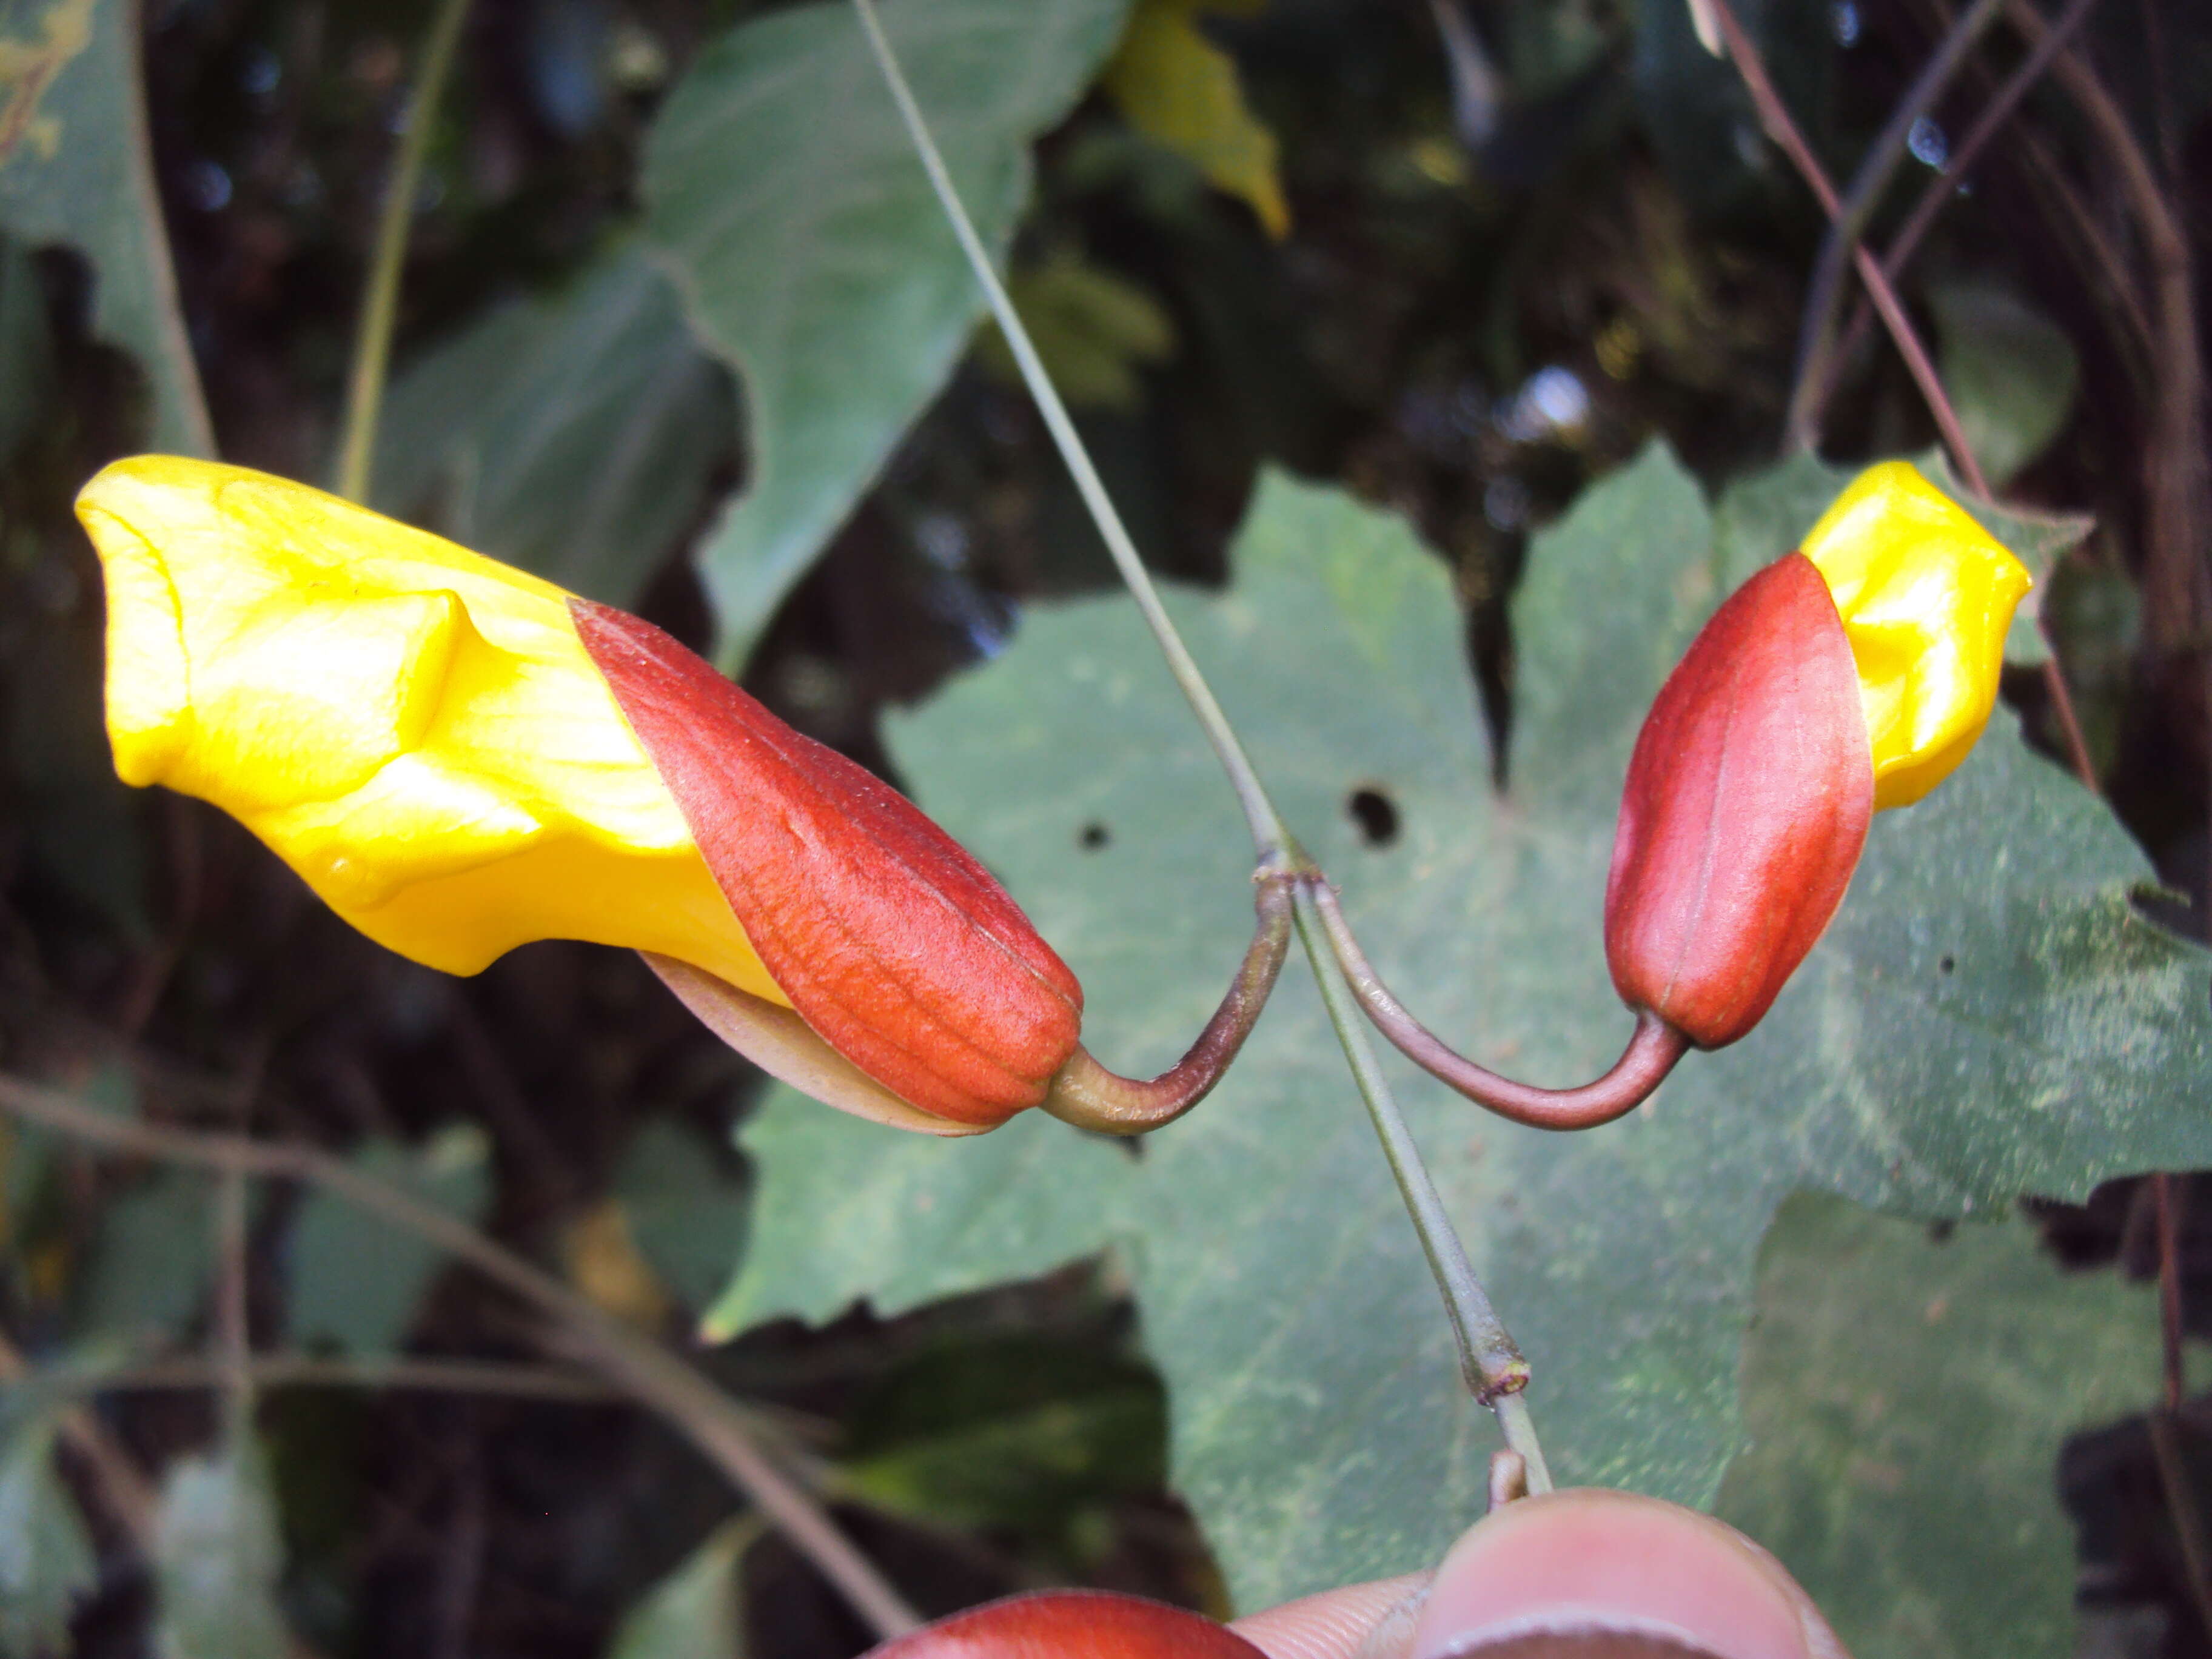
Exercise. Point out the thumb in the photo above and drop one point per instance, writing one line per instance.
(1587, 1574)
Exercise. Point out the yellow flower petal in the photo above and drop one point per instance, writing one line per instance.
(1926, 595)
(416, 730)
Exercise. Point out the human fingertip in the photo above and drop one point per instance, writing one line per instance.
(1595, 1574)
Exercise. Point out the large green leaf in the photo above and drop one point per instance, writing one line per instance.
(46, 1560)
(814, 258)
(573, 435)
(1905, 1401)
(1987, 1016)
(73, 169)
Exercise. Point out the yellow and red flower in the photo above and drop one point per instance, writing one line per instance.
(1851, 676)
(460, 758)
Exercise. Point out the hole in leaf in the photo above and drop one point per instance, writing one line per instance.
(1092, 837)
(1947, 964)
(1375, 814)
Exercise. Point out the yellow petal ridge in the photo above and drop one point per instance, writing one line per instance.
(416, 729)
(1926, 596)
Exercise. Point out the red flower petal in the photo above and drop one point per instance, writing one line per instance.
(1746, 809)
(893, 944)
(1071, 1625)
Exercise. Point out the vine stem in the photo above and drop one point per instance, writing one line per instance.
(1774, 114)
(1489, 1357)
(380, 306)
(715, 1425)
(1816, 353)
(1947, 184)
(1269, 837)
(1490, 1362)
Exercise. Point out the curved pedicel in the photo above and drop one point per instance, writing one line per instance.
(1088, 1095)
(1650, 1054)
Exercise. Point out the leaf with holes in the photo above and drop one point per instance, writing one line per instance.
(813, 256)
(1987, 1016)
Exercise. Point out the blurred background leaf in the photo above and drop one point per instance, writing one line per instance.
(217, 1557)
(698, 1612)
(830, 280)
(46, 1560)
(73, 169)
(2011, 372)
(1180, 91)
(686, 1207)
(574, 434)
(356, 1280)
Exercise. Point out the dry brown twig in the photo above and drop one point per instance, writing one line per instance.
(639, 1365)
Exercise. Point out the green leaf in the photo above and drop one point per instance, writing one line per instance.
(149, 1261)
(356, 1277)
(698, 1612)
(1987, 1016)
(2012, 373)
(1763, 516)
(217, 1558)
(814, 258)
(73, 169)
(1092, 328)
(1012, 1432)
(1905, 1401)
(46, 1560)
(573, 435)
(1181, 90)
(686, 1214)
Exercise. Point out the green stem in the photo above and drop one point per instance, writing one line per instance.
(1494, 1369)
(1269, 837)
(1490, 1361)
(380, 306)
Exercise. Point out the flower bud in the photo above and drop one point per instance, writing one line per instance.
(1850, 677)
(1051, 1624)
(459, 757)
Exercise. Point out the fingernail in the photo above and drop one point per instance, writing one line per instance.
(1593, 1574)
